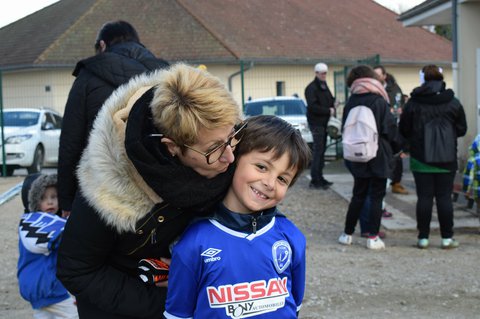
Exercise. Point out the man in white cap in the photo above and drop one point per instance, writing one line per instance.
(320, 105)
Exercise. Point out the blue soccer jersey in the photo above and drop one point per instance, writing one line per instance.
(217, 272)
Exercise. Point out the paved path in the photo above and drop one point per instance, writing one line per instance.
(402, 206)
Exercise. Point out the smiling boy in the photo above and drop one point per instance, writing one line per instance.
(248, 260)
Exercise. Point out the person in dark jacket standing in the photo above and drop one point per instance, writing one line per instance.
(397, 100)
(433, 179)
(370, 178)
(159, 155)
(119, 56)
(320, 105)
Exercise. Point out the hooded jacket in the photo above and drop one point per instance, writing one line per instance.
(38, 188)
(426, 102)
(134, 200)
(39, 236)
(96, 78)
(388, 142)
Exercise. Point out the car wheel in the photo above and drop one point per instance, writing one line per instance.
(37, 164)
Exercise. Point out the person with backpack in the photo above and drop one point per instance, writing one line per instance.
(431, 121)
(369, 131)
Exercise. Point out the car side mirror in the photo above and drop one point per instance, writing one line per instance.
(48, 126)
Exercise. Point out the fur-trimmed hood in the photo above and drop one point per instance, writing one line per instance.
(37, 189)
(124, 170)
(107, 178)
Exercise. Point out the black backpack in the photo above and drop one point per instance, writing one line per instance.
(440, 140)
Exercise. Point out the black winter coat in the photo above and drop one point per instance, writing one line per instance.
(96, 78)
(388, 142)
(319, 101)
(121, 215)
(426, 102)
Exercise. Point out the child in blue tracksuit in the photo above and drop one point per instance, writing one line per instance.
(40, 231)
(248, 260)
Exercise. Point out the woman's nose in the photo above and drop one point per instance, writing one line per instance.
(227, 156)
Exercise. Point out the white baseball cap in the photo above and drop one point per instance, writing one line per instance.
(321, 67)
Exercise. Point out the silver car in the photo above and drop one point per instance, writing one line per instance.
(291, 109)
(31, 137)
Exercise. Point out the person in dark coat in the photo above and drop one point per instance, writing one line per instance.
(320, 105)
(430, 101)
(397, 101)
(119, 56)
(370, 178)
(159, 155)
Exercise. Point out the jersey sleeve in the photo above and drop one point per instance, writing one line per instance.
(298, 266)
(183, 279)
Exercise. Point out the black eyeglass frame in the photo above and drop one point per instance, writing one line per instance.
(224, 145)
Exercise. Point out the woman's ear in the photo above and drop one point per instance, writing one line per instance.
(172, 147)
(103, 46)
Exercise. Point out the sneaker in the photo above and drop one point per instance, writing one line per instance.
(398, 188)
(318, 185)
(325, 182)
(345, 239)
(386, 214)
(422, 243)
(380, 234)
(449, 243)
(375, 243)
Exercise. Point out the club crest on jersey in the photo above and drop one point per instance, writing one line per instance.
(247, 299)
(282, 255)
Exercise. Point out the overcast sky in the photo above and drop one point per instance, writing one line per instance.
(18, 9)
(14, 10)
(399, 6)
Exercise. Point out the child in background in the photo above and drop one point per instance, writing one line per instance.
(40, 231)
(248, 260)
(471, 173)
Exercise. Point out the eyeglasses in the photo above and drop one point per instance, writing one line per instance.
(214, 155)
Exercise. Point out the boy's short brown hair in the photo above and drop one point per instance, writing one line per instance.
(266, 133)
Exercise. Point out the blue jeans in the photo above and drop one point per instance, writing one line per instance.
(362, 187)
(365, 212)
(319, 134)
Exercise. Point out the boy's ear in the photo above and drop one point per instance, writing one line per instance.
(172, 147)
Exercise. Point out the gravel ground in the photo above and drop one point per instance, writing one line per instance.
(342, 282)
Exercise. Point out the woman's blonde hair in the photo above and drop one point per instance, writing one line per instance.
(188, 99)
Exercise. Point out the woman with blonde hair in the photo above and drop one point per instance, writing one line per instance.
(159, 155)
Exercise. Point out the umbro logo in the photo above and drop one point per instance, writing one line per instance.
(211, 253)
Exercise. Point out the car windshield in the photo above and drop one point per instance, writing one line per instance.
(20, 118)
(279, 108)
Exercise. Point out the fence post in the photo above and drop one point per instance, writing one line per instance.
(4, 158)
(242, 84)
